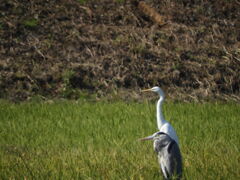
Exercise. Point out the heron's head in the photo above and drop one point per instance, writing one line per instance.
(155, 89)
(152, 137)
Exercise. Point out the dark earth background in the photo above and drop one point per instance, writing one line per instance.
(106, 48)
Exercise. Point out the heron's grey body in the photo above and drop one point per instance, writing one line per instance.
(169, 155)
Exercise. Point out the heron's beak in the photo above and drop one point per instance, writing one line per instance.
(147, 138)
(146, 90)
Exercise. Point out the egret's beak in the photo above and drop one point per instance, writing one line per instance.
(147, 138)
(146, 90)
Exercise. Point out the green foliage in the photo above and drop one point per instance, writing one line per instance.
(120, 1)
(82, 1)
(67, 90)
(31, 22)
(140, 48)
(83, 140)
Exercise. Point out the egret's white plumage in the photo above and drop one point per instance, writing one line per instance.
(162, 124)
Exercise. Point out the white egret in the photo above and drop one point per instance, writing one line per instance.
(162, 124)
(169, 155)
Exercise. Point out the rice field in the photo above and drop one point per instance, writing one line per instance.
(99, 140)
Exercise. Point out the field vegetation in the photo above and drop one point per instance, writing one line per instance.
(99, 140)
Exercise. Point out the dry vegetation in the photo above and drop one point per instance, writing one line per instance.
(59, 48)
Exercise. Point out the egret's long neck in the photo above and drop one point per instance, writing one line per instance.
(160, 117)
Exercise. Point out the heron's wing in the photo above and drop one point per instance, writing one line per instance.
(177, 159)
(161, 147)
(169, 156)
(174, 159)
(170, 166)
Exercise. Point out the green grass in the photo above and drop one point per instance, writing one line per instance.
(31, 22)
(86, 140)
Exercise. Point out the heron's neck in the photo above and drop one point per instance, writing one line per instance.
(160, 117)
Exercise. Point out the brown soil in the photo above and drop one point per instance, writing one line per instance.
(57, 48)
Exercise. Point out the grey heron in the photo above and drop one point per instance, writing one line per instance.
(168, 152)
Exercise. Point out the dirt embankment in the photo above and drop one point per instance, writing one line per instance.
(59, 48)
